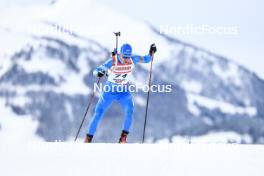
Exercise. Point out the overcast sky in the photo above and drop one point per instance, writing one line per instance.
(246, 47)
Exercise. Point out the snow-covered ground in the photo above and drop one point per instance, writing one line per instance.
(212, 138)
(69, 159)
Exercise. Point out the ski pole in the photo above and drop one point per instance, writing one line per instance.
(87, 109)
(146, 112)
(117, 34)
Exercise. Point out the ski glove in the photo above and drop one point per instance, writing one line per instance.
(114, 52)
(100, 73)
(153, 49)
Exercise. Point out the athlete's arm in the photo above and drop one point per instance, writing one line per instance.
(147, 58)
(141, 59)
(104, 67)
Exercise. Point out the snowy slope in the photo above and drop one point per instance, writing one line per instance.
(13, 127)
(50, 73)
(90, 19)
(113, 159)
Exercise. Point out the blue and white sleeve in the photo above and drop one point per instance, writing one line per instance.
(104, 67)
(141, 59)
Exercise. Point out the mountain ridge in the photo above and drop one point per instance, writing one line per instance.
(52, 75)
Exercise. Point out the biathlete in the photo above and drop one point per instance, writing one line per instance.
(118, 69)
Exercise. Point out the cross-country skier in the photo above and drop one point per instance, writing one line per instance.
(118, 68)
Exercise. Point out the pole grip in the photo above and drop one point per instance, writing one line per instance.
(117, 34)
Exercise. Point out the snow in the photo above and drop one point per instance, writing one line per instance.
(229, 75)
(85, 17)
(225, 107)
(214, 138)
(5, 65)
(11, 42)
(140, 101)
(73, 82)
(193, 108)
(73, 86)
(19, 100)
(69, 111)
(41, 63)
(207, 120)
(16, 128)
(192, 86)
(67, 159)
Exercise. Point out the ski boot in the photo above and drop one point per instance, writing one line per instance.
(123, 137)
(88, 138)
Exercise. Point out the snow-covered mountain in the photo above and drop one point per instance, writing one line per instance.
(46, 76)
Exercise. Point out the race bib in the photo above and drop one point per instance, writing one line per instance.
(121, 73)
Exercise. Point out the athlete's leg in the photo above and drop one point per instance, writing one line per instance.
(127, 103)
(102, 105)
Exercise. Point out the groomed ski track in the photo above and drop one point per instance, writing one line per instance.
(78, 159)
